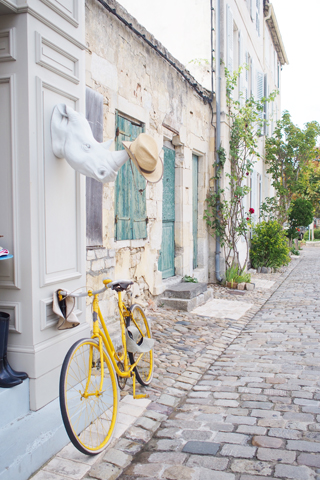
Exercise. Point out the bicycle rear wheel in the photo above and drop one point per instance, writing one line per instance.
(89, 415)
(144, 369)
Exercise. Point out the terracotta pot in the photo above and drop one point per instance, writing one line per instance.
(231, 285)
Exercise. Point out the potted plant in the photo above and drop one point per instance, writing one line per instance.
(231, 275)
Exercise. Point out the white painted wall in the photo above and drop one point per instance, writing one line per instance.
(43, 219)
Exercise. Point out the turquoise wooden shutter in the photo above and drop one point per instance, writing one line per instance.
(166, 259)
(138, 189)
(130, 195)
(195, 209)
(123, 229)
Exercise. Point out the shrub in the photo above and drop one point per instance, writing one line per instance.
(316, 235)
(269, 245)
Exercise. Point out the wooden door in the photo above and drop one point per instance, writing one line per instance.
(166, 259)
(195, 209)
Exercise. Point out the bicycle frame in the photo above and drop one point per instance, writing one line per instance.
(104, 337)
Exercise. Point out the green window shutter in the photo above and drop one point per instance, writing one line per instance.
(123, 229)
(138, 195)
(130, 195)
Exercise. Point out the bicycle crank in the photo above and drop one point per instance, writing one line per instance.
(122, 381)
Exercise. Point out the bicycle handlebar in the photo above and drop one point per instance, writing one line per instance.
(82, 294)
(108, 283)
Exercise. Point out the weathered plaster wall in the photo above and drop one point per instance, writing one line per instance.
(138, 83)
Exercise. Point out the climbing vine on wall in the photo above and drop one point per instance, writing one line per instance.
(225, 213)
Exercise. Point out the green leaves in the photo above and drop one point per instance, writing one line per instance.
(225, 214)
(289, 156)
(269, 245)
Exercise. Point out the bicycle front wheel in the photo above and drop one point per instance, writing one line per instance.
(144, 369)
(89, 408)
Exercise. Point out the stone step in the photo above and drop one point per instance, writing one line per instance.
(30, 441)
(14, 402)
(187, 304)
(186, 290)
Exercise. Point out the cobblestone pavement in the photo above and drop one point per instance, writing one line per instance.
(231, 399)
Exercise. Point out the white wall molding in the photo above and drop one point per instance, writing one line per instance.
(58, 261)
(7, 45)
(61, 9)
(56, 340)
(10, 4)
(10, 277)
(52, 26)
(13, 308)
(57, 60)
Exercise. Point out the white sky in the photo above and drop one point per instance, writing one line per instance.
(299, 26)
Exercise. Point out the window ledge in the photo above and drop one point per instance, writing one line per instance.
(130, 243)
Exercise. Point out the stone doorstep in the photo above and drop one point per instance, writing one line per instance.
(187, 304)
(186, 290)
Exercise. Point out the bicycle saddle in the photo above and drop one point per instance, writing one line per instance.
(120, 285)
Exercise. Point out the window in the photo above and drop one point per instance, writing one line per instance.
(130, 193)
(260, 89)
(258, 16)
(266, 113)
(229, 27)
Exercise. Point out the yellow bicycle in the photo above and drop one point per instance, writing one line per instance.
(93, 371)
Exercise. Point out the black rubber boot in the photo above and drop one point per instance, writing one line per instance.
(7, 366)
(6, 379)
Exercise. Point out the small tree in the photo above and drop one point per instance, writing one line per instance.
(300, 215)
(289, 153)
(225, 213)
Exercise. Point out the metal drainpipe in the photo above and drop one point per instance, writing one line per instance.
(218, 110)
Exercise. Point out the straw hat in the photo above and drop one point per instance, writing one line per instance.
(144, 153)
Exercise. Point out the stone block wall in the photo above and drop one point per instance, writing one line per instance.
(143, 83)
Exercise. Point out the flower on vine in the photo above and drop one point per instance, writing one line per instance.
(247, 173)
(248, 219)
(251, 210)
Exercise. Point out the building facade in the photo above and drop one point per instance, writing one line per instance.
(97, 58)
(155, 232)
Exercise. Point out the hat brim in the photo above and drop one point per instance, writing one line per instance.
(153, 177)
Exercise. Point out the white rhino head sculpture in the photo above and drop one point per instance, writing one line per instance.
(73, 140)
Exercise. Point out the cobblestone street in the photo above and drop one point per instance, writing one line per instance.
(231, 399)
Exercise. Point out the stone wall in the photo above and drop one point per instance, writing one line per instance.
(138, 82)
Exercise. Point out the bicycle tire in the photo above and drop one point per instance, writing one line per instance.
(90, 421)
(144, 370)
